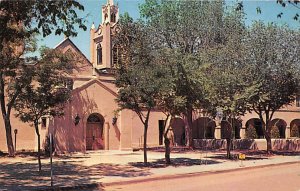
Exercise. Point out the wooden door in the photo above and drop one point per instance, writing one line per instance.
(94, 140)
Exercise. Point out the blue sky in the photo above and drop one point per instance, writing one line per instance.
(92, 12)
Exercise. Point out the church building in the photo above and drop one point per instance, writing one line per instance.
(92, 120)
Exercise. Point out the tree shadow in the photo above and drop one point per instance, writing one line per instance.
(25, 176)
(176, 162)
(235, 157)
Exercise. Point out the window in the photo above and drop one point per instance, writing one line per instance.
(113, 18)
(105, 17)
(44, 122)
(161, 129)
(99, 54)
(298, 101)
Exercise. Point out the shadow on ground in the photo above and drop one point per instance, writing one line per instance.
(176, 162)
(24, 176)
(235, 157)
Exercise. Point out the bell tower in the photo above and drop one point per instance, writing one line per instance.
(101, 45)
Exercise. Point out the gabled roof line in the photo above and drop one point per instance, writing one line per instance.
(90, 82)
(75, 48)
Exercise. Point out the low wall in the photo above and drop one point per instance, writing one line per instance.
(286, 144)
(221, 144)
(249, 144)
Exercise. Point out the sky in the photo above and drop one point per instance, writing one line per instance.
(269, 11)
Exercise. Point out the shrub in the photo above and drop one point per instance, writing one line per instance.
(251, 132)
(275, 132)
(294, 131)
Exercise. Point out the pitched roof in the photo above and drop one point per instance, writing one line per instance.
(77, 49)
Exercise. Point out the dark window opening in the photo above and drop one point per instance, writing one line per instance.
(258, 127)
(161, 129)
(113, 18)
(99, 54)
(44, 122)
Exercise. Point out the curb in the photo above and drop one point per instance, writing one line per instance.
(163, 177)
(176, 176)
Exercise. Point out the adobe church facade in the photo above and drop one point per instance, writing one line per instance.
(91, 121)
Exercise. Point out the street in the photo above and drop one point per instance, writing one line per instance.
(283, 177)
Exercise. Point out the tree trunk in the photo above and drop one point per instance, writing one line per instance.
(39, 144)
(167, 144)
(167, 148)
(9, 140)
(268, 139)
(268, 136)
(188, 128)
(228, 147)
(145, 143)
(167, 151)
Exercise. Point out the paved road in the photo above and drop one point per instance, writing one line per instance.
(284, 177)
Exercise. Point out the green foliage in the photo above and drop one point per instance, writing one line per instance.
(43, 96)
(295, 131)
(140, 79)
(271, 59)
(275, 134)
(179, 31)
(20, 22)
(251, 132)
(39, 17)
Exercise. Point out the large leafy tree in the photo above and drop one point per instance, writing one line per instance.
(222, 78)
(139, 78)
(272, 59)
(46, 95)
(186, 27)
(19, 22)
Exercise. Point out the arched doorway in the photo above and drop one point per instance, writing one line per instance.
(204, 128)
(94, 132)
(235, 127)
(258, 125)
(281, 125)
(179, 131)
(295, 128)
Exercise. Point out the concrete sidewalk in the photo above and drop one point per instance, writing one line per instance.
(104, 168)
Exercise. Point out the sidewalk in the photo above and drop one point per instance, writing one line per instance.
(119, 167)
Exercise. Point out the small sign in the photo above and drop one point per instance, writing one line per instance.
(242, 156)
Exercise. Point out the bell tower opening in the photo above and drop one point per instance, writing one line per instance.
(99, 54)
(113, 18)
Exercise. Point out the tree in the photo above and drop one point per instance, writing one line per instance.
(186, 27)
(271, 58)
(222, 77)
(138, 78)
(44, 96)
(251, 132)
(169, 103)
(20, 21)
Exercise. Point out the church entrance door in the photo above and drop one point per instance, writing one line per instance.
(94, 132)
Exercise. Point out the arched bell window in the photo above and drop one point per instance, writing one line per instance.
(105, 17)
(113, 17)
(99, 54)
